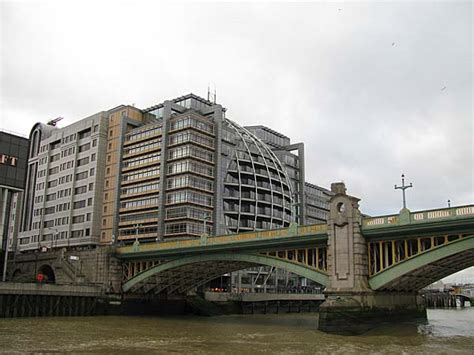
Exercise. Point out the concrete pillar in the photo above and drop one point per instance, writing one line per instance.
(351, 307)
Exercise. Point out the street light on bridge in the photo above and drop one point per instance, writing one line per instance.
(403, 188)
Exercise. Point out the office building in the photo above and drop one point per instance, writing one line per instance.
(177, 169)
(13, 157)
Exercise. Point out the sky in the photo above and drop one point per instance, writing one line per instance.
(374, 89)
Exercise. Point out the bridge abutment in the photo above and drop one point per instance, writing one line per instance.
(351, 306)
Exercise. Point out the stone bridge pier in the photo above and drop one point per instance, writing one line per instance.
(351, 306)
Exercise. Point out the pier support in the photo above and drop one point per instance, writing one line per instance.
(351, 307)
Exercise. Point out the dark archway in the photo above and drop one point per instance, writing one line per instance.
(17, 275)
(48, 273)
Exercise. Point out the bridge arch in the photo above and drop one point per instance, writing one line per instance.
(425, 268)
(216, 265)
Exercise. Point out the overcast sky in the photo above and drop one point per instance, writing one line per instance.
(373, 89)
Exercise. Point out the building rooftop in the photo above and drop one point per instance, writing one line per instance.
(265, 128)
(181, 99)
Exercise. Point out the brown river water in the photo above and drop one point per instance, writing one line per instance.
(445, 332)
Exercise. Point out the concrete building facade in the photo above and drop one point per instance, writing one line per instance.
(177, 169)
(65, 179)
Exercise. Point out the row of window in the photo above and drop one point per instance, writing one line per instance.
(188, 196)
(189, 136)
(250, 194)
(233, 205)
(62, 221)
(138, 216)
(82, 203)
(140, 188)
(135, 136)
(187, 212)
(66, 165)
(68, 152)
(315, 212)
(80, 233)
(64, 193)
(275, 187)
(190, 166)
(188, 121)
(85, 174)
(139, 230)
(189, 181)
(256, 157)
(141, 174)
(142, 160)
(190, 151)
(251, 223)
(65, 179)
(139, 203)
(142, 147)
(312, 200)
(187, 228)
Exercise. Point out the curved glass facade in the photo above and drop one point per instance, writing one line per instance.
(257, 191)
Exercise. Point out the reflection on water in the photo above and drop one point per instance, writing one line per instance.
(446, 331)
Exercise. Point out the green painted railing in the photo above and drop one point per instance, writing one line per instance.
(291, 232)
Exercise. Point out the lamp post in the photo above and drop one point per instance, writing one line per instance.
(403, 188)
(54, 237)
(5, 262)
(205, 219)
(449, 203)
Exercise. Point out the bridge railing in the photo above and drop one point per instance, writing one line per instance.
(293, 231)
(420, 216)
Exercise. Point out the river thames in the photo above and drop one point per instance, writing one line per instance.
(446, 331)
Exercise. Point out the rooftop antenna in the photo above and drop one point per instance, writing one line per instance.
(210, 96)
(54, 121)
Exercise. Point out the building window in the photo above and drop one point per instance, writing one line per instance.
(81, 176)
(78, 219)
(79, 204)
(84, 133)
(84, 147)
(83, 161)
(80, 190)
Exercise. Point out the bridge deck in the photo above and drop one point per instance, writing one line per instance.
(261, 240)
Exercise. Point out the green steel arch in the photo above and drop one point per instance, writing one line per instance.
(299, 269)
(423, 260)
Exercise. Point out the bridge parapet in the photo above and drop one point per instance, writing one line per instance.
(282, 233)
(453, 213)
